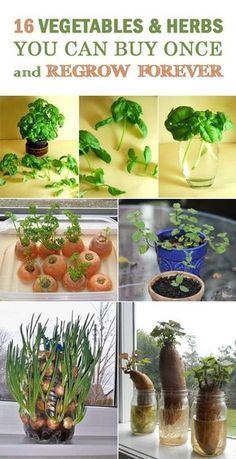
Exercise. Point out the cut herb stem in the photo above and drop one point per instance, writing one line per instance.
(186, 153)
(200, 153)
(122, 135)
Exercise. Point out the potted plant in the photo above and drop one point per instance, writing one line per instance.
(39, 125)
(209, 412)
(176, 286)
(50, 377)
(183, 246)
(143, 404)
(199, 133)
(173, 407)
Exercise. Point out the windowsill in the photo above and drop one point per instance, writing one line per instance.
(80, 446)
(95, 436)
(147, 447)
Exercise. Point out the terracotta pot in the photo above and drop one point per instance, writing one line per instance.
(156, 297)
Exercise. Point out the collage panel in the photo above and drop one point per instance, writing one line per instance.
(177, 381)
(58, 251)
(119, 140)
(58, 386)
(197, 143)
(177, 250)
(38, 147)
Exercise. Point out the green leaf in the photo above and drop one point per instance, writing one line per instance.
(152, 237)
(119, 109)
(103, 122)
(102, 154)
(2, 181)
(131, 154)
(147, 154)
(183, 289)
(143, 248)
(115, 191)
(210, 133)
(155, 171)
(137, 236)
(99, 176)
(142, 127)
(130, 165)
(179, 278)
(88, 140)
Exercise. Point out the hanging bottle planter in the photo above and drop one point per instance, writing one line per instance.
(50, 378)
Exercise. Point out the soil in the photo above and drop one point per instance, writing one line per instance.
(164, 288)
(175, 243)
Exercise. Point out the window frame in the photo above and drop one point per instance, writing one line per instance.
(127, 343)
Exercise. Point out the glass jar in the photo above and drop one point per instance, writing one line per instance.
(209, 430)
(199, 161)
(143, 411)
(173, 417)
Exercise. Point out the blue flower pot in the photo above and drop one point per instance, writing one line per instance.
(172, 260)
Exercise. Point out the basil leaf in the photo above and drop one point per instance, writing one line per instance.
(119, 109)
(130, 165)
(115, 191)
(99, 176)
(147, 154)
(102, 154)
(86, 139)
(210, 133)
(103, 122)
(131, 153)
(142, 127)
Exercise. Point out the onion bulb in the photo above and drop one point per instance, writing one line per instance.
(37, 423)
(68, 423)
(53, 424)
(45, 385)
(59, 390)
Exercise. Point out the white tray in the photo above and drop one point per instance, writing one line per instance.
(11, 287)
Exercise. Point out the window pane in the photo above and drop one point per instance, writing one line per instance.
(102, 391)
(210, 330)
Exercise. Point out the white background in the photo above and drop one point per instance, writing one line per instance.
(115, 86)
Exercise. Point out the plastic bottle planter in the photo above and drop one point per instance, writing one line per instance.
(46, 427)
(199, 161)
(51, 381)
(143, 412)
(172, 260)
(173, 417)
(209, 415)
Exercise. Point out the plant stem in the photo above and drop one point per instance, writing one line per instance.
(88, 161)
(122, 135)
(186, 153)
(199, 155)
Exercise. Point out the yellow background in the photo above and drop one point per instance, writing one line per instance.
(171, 180)
(94, 109)
(12, 108)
